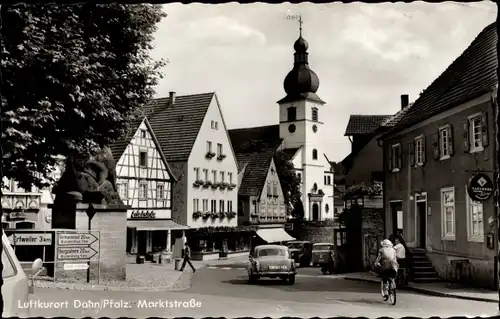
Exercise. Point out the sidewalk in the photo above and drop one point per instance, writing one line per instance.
(143, 277)
(442, 289)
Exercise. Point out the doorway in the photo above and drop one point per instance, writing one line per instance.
(397, 217)
(141, 242)
(421, 222)
(315, 212)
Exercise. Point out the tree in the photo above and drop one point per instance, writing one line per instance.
(290, 183)
(74, 77)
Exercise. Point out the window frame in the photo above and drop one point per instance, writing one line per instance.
(395, 157)
(197, 173)
(315, 154)
(209, 146)
(419, 155)
(145, 158)
(141, 194)
(471, 118)
(196, 204)
(162, 186)
(314, 114)
(442, 145)
(444, 234)
(220, 151)
(468, 205)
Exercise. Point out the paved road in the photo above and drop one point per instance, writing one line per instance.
(225, 292)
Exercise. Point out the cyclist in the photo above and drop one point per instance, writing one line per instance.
(387, 263)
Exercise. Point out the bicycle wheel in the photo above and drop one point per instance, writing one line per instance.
(392, 293)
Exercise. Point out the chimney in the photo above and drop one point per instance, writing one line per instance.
(405, 100)
(171, 98)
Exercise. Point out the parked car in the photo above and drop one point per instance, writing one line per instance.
(271, 261)
(300, 252)
(15, 289)
(321, 257)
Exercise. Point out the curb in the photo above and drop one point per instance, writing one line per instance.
(429, 292)
(177, 285)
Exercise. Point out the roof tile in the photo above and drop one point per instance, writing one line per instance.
(472, 74)
(364, 124)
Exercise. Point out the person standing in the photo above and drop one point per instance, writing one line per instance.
(400, 255)
(187, 258)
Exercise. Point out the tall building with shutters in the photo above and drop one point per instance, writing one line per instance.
(433, 154)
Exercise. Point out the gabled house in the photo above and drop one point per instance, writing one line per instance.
(193, 136)
(439, 158)
(145, 184)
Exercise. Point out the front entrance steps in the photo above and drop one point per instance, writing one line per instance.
(422, 268)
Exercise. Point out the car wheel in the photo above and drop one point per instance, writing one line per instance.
(291, 279)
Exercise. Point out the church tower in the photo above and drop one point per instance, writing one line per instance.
(300, 128)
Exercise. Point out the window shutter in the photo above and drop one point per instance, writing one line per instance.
(465, 126)
(484, 128)
(400, 155)
(423, 149)
(389, 161)
(435, 145)
(450, 139)
(412, 153)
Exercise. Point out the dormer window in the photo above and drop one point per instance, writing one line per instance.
(315, 154)
(315, 114)
(292, 114)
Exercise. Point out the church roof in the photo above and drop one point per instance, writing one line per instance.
(252, 139)
(364, 124)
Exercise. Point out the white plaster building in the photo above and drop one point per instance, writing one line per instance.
(193, 136)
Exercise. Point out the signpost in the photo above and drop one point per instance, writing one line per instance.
(31, 239)
(90, 213)
(76, 248)
(76, 266)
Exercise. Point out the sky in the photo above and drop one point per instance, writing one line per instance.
(365, 55)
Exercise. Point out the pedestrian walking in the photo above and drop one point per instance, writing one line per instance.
(187, 258)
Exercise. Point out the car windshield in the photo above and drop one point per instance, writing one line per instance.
(294, 245)
(321, 247)
(272, 252)
(9, 269)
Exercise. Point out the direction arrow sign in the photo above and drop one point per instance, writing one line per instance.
(76, 266)
(71, 239)
(75, 253)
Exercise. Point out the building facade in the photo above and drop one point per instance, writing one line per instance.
(193, 136)
(145, 184)
(445, 139)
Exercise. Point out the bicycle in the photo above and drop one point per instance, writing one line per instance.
(391, 290)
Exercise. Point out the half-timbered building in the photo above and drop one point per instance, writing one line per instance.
(144, 183)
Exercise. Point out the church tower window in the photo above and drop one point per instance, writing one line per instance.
(292, 114)
(315, 154)
(315, 114)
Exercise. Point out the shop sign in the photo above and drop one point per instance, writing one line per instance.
(17, 215)
(480, 187)
(143, 214)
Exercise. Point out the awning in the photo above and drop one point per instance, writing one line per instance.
(274, 235)
(165, 224)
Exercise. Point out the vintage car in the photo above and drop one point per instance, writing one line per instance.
(321, 255)
(300, 252)
(272, 261)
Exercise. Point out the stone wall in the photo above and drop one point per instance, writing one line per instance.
(475, 272)
(315, 231)
(111, 222)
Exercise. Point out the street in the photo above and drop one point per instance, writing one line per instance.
(224, 291)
